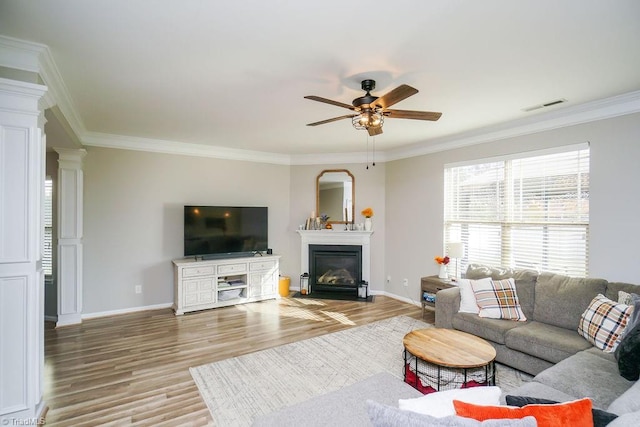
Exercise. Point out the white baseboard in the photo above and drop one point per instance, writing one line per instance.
(126, 310)
(68, 320)
(398, 297)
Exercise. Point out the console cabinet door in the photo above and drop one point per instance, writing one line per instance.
(261, 284)
(198, 291)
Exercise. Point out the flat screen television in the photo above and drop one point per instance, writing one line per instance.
(225, 231)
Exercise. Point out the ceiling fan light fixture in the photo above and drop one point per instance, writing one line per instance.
(367, 119)
(369, 111)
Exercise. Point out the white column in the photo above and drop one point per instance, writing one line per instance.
(70, 214)
(21, 235)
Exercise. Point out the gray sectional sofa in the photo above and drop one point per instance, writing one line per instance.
(547, 345)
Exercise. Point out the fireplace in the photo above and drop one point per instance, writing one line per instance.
(335, 268)
(333, 238)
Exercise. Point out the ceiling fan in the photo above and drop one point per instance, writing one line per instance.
(370, 110)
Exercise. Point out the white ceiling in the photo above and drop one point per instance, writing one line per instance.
(234, 74)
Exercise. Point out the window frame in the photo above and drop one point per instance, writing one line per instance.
(506, 221)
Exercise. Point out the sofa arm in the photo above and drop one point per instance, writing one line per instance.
(447, 304)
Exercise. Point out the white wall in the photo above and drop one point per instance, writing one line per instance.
(133, 210)
(414, 207)
(133, 218)
(370, 192)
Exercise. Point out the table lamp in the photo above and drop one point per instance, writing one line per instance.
(456, 250)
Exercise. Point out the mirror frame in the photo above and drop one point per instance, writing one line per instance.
(353, 194)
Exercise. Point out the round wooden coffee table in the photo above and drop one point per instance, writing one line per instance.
(446, 357)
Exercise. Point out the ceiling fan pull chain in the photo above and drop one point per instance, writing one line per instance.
(367, 152)
(374, 150)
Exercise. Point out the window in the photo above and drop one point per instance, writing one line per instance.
(529, 211)
(47, 252)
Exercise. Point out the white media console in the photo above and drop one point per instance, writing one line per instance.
(203, 284)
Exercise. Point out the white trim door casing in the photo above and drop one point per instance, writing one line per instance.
(21, 236)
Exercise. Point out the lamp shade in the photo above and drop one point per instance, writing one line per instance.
(456, 250)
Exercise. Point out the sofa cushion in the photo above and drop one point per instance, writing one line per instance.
(498, 299)
(440, 404)
(536, 389)
(600, 417)
(627, 402)
(606, 356)
(467, 297)
(603, 321)
(586, 375)
(525, 282)
(628, 354)
(572, 413)
(348, 404)
(388, 416)
(626, 420)
(545, 341)
(634, 318)
(626, 297)
(614, 287)
(490, 329)
(561, 300)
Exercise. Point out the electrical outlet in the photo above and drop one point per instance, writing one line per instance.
(405, 282)
(388, 279)
(138, 289)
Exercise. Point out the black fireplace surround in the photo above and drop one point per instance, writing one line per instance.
(335, 268)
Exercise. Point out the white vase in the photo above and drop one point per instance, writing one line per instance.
(443, 272)
(368, 225)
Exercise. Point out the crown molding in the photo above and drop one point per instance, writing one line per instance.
(337, 158)
(37, 58)
(59, 92)
(20, 54)
(620, 105)
(97, 139)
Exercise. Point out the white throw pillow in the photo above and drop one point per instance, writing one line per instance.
(440, 404)
(467, 296)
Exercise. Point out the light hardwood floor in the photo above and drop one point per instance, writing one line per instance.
(133, 369)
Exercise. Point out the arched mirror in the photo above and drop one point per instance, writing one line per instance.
(335, 195)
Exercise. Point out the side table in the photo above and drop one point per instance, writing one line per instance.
(431, 285)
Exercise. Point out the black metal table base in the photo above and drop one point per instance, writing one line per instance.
(430, 377)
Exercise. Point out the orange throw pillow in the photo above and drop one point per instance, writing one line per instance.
(575, 413)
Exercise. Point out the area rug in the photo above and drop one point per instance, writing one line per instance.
(239, 389)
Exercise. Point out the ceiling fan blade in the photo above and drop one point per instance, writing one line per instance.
(335, 119)
(416, 115)
(329, 101)
(374, 130)
(395, 96)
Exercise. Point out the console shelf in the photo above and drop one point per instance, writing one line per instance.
(200, 285)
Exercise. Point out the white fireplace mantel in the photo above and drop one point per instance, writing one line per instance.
(336, 237)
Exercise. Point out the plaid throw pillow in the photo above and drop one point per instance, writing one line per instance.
(603, 321)
(497, 299)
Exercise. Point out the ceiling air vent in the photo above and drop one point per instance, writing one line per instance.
(545, 105)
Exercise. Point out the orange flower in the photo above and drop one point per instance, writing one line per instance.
(442, 260)
(367, 212)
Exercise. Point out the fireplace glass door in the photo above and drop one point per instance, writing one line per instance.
(335, 268)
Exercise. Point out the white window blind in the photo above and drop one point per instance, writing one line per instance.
(48, 227)
(527, 212)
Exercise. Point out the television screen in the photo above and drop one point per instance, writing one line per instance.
(224, 230)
